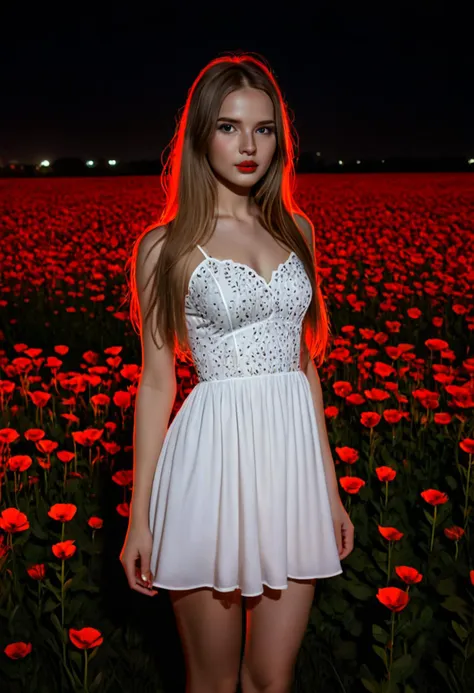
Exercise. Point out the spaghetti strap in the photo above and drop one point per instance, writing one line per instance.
(203, 251)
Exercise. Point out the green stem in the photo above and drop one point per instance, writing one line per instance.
(433, 528)
(391, 652)
(85, 671)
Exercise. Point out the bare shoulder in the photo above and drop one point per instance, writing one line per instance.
(306, 228)
(148, 251)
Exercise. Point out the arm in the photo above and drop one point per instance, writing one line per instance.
(156, 391)
(317, 395)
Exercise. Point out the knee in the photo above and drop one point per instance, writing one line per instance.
(272, 682)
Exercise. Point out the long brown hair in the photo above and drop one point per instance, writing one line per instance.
(191, 198)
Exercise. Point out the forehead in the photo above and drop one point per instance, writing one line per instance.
(247, 102)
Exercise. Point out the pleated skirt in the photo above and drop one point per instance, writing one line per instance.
(239, 497)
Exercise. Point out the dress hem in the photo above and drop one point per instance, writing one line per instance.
(256, 594)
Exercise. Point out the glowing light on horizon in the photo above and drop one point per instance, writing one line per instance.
(112, 162)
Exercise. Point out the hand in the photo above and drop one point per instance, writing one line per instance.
(343, 529)
(138, 545)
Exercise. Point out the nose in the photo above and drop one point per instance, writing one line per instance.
(247, 145)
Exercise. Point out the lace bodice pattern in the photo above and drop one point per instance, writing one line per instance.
(239, 324)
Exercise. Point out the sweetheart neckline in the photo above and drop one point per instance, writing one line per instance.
(268, 284)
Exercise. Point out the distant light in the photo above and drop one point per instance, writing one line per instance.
(470, 161)
(90, 163)
(340, 162)
(357, 162)
(318, 153)
(112, 162)
(383, 161)
(45, 163)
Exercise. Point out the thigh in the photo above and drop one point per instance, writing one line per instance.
(276, 624)
(210, 626)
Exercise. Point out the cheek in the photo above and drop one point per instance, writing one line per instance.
(220, 149)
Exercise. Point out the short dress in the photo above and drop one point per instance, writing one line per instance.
(239, 497)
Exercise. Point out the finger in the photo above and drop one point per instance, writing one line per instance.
(142, 578)
(144, 590)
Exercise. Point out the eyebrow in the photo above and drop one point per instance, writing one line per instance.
(234, 120)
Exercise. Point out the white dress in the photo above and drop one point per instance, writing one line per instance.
(239, 497)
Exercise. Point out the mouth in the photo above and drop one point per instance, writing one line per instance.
(247, 168)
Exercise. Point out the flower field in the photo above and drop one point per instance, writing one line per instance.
(396, 258)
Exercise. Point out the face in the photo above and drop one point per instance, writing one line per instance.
(251, 138)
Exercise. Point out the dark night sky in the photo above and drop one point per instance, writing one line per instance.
(362, 80)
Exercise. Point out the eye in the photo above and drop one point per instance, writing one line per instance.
(228, 125)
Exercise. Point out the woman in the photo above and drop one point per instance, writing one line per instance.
(237, 501)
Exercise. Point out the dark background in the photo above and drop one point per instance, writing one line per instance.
(362, 80)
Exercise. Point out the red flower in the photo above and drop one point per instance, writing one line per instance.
(351, 484)
(390, 533)
(87, 437)
(131, 372)
(113, 350)
(12, 520)
(61, 349)
(19, 463)
(64, 512)
(47, 446)
(100, 400)
(442, 418)
(64, 549)
(122, 399)
(65, 456)
(409, 575)
(86, 638)
(18, 650)
(467, 444)
(385, 473)
(8, 435)
(392, 416)
(348, 455)
(39, 398)
(454, 532)
(436, 344)
(123, 477)
(370, 418)
(342, 388)
(123, 509)
(95, 522)
(34, 434)
(376, 395)
(393, 598)
(37, 571)
(434, 497)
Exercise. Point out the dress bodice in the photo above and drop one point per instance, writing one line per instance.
(239, 324)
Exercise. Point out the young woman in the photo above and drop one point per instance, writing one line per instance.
(236, 503)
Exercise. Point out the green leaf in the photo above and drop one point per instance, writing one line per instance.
(96, 683)
(446, 586)
(451, 481)
(380, 652)
(457, 605)
(461, 632)
(379, 634)
(428, 516)
(426, 616)
(50, 605)
(59, 628)
(359, 591)
(345, 649)
(371, 686)
(402, 667)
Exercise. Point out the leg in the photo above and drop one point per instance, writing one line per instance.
(210, 626)
(276, 624)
